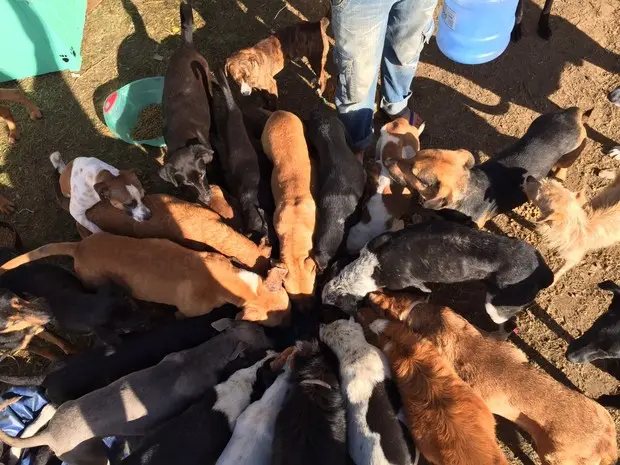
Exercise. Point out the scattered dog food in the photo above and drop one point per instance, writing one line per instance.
(150, 123)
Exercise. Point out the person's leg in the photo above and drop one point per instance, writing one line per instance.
(359, 29)
(410, 26)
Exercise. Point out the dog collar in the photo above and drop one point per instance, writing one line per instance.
(318, 382)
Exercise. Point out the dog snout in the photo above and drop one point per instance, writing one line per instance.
(141, 214)
(245, 89)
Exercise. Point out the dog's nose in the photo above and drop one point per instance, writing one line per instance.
(147, 215)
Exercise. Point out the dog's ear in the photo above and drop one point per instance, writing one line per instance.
(166, 172)
(466, 158)
(103, 190)
(275, 278)
(202, 153)
(397, 169)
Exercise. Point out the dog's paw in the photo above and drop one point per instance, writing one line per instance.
(14, 136)
(516, 34)
(614, 153)
(6, 206)
(36, 114)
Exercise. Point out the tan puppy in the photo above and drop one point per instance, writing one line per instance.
(295, 216)
(567, 427)
(14, 95)
(185, 223)
(571, 225)
(157, 270)
(450, 423)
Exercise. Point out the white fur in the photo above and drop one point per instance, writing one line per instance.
(378, 326)
(245, 88)
(139, 212)
(251, 442)
(251, 279)
(362, 367)
(614, 153)
(355, 278)
(493, 313)
(233, 395)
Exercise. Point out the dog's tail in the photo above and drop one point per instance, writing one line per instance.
(25, 443)
(222, 80)
(57, 248)
(187, 21)
(57, 162)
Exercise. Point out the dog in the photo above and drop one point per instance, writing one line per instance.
(295, 216)
(444, 252)
(85, 181)
(570, 224)
(341, 186)
(14, 95)
(133, 404)
(313, 413)
(109, 308)
(450, 178)
(602, 339)
(241, 168)
(255, 67)
(388, 201)
(187, 224)
(202, 431)
(566, 426)
(194, 282)
(187, 103)
(253, 435)
(450, 423)
(544, 30)
(373, 430)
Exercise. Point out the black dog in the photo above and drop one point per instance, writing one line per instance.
(311, 427)
(186, 106)
(341, 185)
(241, 168)
(444, 252)
(544, 30)
(602, 340)
(71, 306)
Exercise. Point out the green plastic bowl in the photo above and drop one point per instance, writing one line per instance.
(122, 108)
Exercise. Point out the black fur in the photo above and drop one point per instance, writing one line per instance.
(544, 30)
(311, 426)
(240, 163)
(341, 185)
(602, 340)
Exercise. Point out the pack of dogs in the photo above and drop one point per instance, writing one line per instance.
(304, 328)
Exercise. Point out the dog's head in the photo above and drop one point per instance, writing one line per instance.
(244, 68)
(342, 336)
(552, 199)
(396, 305)
(602, 340)
(300, 277)
(271, 306)
(17, 314)
(188, 166)
(439, 176)
(124, 192)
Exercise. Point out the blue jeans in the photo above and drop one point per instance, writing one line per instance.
(373, 34)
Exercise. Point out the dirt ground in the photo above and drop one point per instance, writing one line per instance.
(481, 108)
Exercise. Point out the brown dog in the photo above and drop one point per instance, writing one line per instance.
(295, 216)
(185, 223)
(255, 67)
(567, 427)
(570, 224)
(157, 270)
(14, 95)
(450, 423)
(451, 179)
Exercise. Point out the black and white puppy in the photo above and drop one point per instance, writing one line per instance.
(199, 434)
(375, 436)
(341, 185)
(240, 163)
(311, 428)
(444, 252)
(186, 107)
(602, 340)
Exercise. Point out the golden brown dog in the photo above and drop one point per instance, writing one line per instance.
(567, 427)
(185, 223)
(14, 95)
(295, 216)
(255, 67)
(571, 225)
(450, 423)
(157, 270)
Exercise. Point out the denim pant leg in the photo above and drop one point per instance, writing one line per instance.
(359, 29)
(410, 26)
